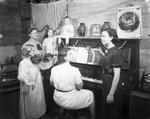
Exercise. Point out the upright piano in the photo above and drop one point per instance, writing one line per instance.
(129, 49)
(92, 73)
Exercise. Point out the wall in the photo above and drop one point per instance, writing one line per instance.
(10, 28)
(86, 11)
(100, 11)
(10, 22)
(10, 51)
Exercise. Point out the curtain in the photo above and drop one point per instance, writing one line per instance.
(48, 14)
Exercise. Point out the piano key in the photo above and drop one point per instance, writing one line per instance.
(92, 80)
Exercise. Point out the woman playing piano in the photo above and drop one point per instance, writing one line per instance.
(111, 88)
(68, 85)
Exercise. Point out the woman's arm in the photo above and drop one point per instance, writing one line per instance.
(115, 80)
(51, 83)
(44, 45)
(114, 85)
(79, 86)
(78, 79)
(51, 78)
(23, 74)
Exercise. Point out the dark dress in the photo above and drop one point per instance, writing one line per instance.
(112, 59)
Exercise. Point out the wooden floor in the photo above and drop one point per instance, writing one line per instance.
(9, 105)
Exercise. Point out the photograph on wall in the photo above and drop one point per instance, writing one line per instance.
(95, 30)
(129, 22)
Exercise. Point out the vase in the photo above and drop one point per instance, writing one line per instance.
(106, 25)
(81, 30)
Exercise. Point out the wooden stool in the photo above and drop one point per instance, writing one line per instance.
(75, 114)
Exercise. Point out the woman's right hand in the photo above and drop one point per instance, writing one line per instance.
(79, 86)
(29, 83)
(32, 84)
(110, 98)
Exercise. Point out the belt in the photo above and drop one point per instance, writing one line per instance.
(63, 90)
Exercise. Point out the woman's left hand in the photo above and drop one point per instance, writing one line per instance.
(110, 98)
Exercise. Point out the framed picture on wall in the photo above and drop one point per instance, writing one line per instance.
(129, 22)
(95, 30)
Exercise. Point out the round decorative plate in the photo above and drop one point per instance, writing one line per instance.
(128, 21)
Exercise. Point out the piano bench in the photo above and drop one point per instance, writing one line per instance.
(75, 114)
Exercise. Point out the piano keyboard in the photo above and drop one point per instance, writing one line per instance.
(92, 80)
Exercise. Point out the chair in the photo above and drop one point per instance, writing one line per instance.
(139, 105)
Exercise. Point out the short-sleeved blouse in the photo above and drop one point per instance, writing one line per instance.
(112, 59)
(64, 78)
(69, 76)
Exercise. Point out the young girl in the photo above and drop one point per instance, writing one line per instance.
(111, 88)
(32, 100)
(49, 43)
(67, 31)
(50, 48)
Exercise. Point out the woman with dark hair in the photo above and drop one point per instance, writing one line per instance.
(68, 84)
(33, 33)
(111, 88)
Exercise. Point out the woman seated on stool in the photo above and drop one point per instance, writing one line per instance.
(68, 84)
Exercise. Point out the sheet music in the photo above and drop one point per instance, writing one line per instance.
(82, 55)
